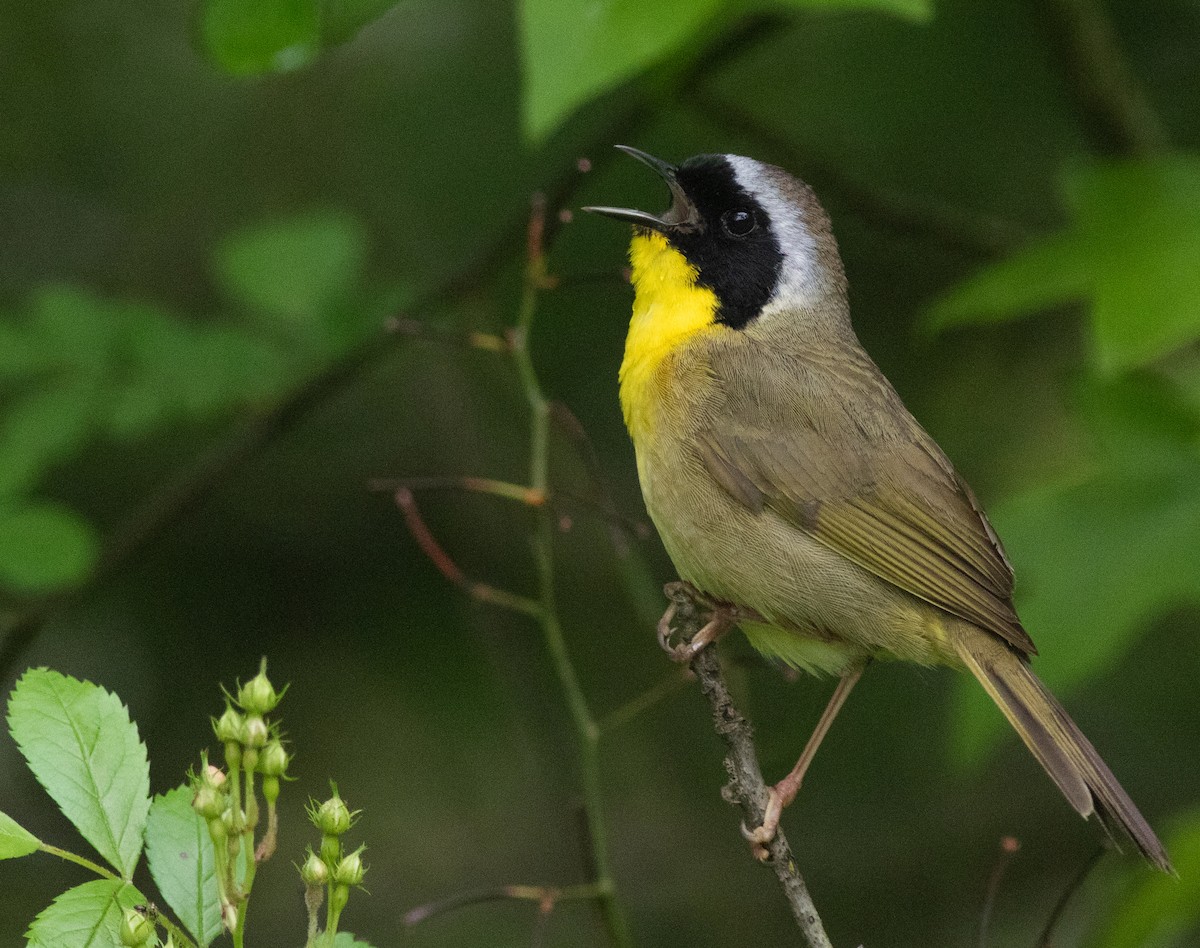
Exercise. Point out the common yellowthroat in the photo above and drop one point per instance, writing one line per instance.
(791, 486)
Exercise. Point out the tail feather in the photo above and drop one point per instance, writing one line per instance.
(1058, 744)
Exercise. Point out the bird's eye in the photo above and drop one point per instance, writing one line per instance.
(738, 223)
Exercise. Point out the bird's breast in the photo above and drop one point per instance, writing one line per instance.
(671, 312)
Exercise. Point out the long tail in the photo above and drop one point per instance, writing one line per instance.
(1057, 743)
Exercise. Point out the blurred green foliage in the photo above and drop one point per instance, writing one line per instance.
(212, 212)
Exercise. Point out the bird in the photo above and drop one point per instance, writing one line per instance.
(793, 490)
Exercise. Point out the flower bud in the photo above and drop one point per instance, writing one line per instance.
(214, 776)
(254, 731)
(314, 871)
(273, 760)
(258, 696)
(228, 727)
(333, 817)
(136, 928)
(350, 870)
(208, 801)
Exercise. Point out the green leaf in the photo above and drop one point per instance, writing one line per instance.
(87, 916)
(341, 19)
(82, 747)
(15, 840)
(295, 271)
(180, 853)
(574, 50)
(1098, 557)
(1130, 252)
(1157, 909)
(40, 429)
(346, 940)
(44, 546)
(251, 37)
(919, 10)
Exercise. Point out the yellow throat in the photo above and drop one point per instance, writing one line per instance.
(668, 309)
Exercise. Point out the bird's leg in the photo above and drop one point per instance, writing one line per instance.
(784, 792)
(721, 618)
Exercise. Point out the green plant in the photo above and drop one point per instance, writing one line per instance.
(204, 841)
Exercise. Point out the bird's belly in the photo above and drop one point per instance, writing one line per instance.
(824, 611)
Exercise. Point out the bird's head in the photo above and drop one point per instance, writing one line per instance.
(748, 231)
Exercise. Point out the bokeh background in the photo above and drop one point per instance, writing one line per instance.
(212, 211)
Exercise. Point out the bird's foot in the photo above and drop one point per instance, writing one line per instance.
(778, 797)
(686, 597)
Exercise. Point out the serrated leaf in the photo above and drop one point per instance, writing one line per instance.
(87, 916)
(180, 854)
(80, 744)
(574, 50)
(1130, 252)
(295, 271)
(44, 546)
(1099, 557)
(1158, 909)
(251, 37)
(15, 839)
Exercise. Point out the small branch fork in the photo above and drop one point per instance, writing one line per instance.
(543, 609)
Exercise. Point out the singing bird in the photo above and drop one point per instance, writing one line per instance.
(793, 489)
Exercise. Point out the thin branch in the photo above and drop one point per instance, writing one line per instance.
(958, 230)
(521, 893)
(586, 731)
(746, 787)
(1068, 893)
(1114, 104)
(437, 555)
(640, 703)
(516, 492)
(1009, 847)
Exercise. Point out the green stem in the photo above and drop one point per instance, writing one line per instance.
(177, 933)
(251, 820)
(78, 860)
(587, 733)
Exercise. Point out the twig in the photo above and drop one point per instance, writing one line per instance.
(1114, 105)
(524, 893)
(955, 229)
(636, 705)
(1009, 847)
(1068, 893)
(746, 786)
(516, 492)
(451, 570)
(586, 731)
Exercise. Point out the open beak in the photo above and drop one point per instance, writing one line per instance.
(681, 215)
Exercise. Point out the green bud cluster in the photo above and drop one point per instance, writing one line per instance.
(331, 868)
(250, 739)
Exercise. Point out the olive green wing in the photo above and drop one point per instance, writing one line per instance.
(866, 480)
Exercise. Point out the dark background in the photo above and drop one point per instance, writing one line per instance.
(128, 159)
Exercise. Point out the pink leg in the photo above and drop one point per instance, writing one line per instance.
(784, 792)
